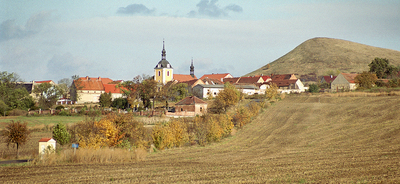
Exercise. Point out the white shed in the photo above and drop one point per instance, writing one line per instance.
(44, 143)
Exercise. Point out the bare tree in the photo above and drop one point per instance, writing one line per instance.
(16, 133)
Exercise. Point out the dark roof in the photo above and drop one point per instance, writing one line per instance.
(284, 83)
(248, 80)
(191, 100)
(212, 81)
(232, 80)
(282, 77)
(163, 64)
(329, 78)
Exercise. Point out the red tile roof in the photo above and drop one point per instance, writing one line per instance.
(46, 81)
(284, 83)
(45, 139)
(191, 100)
(232, 80)
(212, 81)
(329, 78)
(92, 83)
(111, 88)
(283, 77)
(265, 77)
(349, 77)
(192, 82)
(248, 80)
(182, 77)
(216, 76)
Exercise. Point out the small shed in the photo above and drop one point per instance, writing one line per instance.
(191, 104)
(44, 143)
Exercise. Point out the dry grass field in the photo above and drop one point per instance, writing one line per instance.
(302, 139)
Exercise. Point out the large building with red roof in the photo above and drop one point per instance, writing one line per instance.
(88, 89)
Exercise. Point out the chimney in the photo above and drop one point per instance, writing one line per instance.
(99, 78)
(331, 76)
(87, 77)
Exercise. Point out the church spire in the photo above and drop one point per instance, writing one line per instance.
(192, 69)
(163, 53)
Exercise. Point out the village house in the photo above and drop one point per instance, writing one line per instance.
(88, 89)
(328, 79)
(344, 82)
(207, 90)
(288, 83)
(217, 76)
(189, 106)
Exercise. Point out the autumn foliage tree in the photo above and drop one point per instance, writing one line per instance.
(366, 80)
(16, 133)
(226, 98)
(272, 91)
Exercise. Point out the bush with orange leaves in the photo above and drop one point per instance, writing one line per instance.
(171, 134)
(244, 115)
(212, 127)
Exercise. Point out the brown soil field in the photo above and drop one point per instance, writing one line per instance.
(301, 139)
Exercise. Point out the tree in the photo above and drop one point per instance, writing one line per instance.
(16, 133)
(226, 98)
(13, 95)
(47, 94)
(313, 88)
(177, 91)
(381, 67)
(105, 99)
(366, 80)
(147, 91)
(65, 84)
(272, 91)
(60, 134)
(120, 103)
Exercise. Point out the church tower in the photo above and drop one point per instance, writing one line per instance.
(163, 72)
(192, 69)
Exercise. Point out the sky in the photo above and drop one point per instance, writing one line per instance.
(56, 39)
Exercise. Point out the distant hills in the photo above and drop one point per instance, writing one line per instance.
(318, 56)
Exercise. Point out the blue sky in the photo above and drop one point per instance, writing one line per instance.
(41, 40)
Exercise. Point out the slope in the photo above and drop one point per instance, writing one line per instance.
(319, 55)
(298, 140)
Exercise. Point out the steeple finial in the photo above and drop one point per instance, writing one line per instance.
(163, 52)
(192, 69)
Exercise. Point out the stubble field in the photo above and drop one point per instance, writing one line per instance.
(305, 139)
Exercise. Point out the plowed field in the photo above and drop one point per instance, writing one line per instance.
(297, 140)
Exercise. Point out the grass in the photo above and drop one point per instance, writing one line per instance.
(40, 121)
(348, 139)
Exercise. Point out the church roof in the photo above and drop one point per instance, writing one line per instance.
(183, 77)
(163, 63)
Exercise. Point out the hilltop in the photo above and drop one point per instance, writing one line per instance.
(319, 55)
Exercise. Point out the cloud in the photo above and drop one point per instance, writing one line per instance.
(135, 9)
(211, 9)
(234, 8)
(10, 30)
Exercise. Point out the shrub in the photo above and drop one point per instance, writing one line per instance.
(313, 88)
(17, 112)
(168, 135)
(60, 134)
(64, 113)
(60, 107)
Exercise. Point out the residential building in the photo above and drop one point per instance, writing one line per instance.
(190, 106)
(220, 77)
(344, 82)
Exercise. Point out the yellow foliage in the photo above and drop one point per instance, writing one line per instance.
(170, 134)
(272, 91)
(99, 134)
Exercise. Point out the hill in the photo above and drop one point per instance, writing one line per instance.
(302, 139)
(319, 55)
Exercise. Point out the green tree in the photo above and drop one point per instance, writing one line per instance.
(366, 80)
(47, 94)
(381, 67)
(16, 133)
(3, 108)
(120, 103)
(60, 134)
(147, 91)
(313, 88)
(15, 96)
(65, 85)
(105, 99)
(178, 91)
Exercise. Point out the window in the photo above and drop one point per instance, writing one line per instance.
(181, 109)
(159, 73)
(201, 109)
(167, 73)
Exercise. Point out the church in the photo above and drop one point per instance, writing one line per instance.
(164, 72)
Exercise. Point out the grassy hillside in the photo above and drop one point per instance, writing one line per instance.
(302, 139)
(319, 55)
